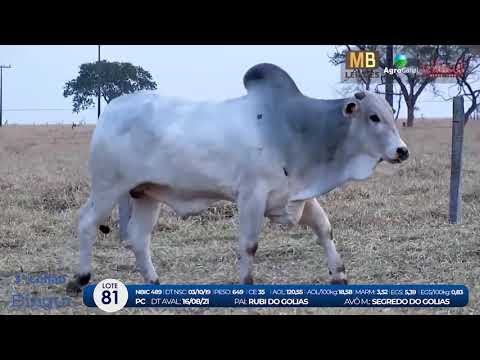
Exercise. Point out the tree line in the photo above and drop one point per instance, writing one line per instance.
(112, 79)
(410, 85)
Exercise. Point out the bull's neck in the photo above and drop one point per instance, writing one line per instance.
(325, 151)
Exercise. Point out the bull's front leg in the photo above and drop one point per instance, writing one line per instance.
(252, 206)
(315, 217)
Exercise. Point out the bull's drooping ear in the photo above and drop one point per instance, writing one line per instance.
(351, 107)
(360, 95)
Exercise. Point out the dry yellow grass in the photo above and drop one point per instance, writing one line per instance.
(391, 229)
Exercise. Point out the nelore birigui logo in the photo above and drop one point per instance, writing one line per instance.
(362, 65)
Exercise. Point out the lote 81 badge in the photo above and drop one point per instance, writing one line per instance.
(110, 295)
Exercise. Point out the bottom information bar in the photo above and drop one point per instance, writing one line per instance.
(112, 294)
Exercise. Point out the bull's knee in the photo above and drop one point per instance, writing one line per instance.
(248, 251)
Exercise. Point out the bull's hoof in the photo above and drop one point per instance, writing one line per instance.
(339, 282)
(73, 288)
(247, 280)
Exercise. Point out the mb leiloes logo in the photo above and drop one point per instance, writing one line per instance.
(360, 65)
(400, 61)
(361, 60)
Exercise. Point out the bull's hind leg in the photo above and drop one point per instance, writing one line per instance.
(251, 212)
(124, 214)
(316, 218)
(139, 232)
(95, 211)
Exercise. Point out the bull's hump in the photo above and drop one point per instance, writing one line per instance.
(271, 76)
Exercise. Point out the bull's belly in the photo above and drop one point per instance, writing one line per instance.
(188, 203)
(184, 202)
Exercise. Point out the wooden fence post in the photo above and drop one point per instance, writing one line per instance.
(455, 210)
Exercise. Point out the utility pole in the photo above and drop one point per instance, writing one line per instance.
(1, 90)
(389, 78)
(99, 85)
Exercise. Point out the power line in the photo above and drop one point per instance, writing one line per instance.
(1, 89)
(39, 109)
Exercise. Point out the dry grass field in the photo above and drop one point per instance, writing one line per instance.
(392, 228)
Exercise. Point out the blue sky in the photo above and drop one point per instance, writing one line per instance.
(197, 72)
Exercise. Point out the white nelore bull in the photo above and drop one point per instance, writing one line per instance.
(272, 152)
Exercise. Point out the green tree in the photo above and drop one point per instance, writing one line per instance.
(112, 79)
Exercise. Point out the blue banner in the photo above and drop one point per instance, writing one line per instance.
(275, 295)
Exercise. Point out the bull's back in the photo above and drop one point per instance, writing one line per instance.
(189, 145)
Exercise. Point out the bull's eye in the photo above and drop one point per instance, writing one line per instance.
(375, 118)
